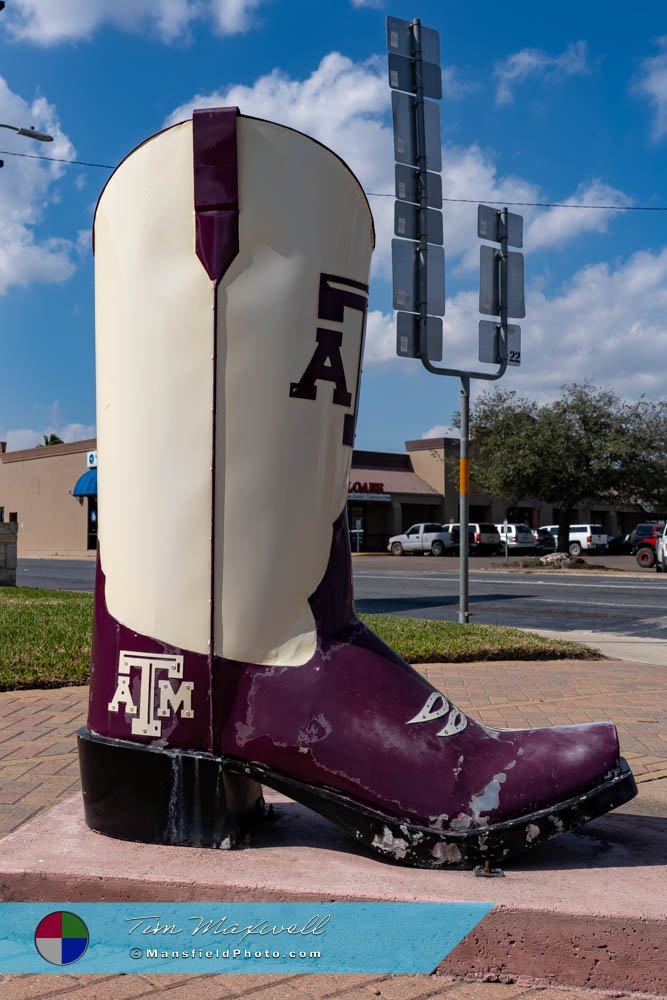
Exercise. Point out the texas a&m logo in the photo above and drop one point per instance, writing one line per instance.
(326, 364)
(152, 689)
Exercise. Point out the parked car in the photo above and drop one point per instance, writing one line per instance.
(545, 542)
(487, 538)
(421, 538)
(644, 541)
(583, 537)
(619, 545)
(646, 532)
(661, 552)
(454, 532)
(518, 536)
(483, 538)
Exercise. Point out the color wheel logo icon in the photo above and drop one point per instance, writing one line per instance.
(61, 938)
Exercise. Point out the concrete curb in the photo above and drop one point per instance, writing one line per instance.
(581, 911)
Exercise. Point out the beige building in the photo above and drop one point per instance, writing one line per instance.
(387, 493)
(36, 487)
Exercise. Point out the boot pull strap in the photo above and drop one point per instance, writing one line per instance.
(216, 189)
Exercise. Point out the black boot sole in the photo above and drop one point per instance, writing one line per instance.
(154, 795)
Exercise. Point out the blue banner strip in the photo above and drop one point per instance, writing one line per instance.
(232, 937)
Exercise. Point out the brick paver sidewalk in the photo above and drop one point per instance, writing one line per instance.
(256, 987)
(38, 768)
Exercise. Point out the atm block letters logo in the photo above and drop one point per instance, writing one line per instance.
(154, 686)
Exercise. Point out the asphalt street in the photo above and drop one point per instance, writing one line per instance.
(633, 604)
(56, 574)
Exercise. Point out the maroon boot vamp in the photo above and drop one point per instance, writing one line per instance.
(359, 720)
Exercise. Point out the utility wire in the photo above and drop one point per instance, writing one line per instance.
(54, 159)
(378, 194)
(542, 204)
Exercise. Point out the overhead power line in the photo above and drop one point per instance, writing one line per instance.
(541, 204)
(54, 159)
(381, 194)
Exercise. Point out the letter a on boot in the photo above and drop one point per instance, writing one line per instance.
(232, 262)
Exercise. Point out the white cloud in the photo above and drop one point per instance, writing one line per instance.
(23, 437)
(68, 20)
(346, 106)
(440, 431)
(454, 86)
(232, 17)
(573, 61)
(377, 4)
(470, 172)
(557, 226)
(343, 104)
(608, 323)
(380, 346)
(651, 83)
(84, 242)
(26, 189)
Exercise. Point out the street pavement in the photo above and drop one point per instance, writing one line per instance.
(623, 601)
(38, 769)
(614, 602)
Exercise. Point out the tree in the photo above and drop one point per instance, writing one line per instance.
(50, 439)
(587, 445)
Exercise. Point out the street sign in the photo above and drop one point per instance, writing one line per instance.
(408, 187)
(402, 76)
(406, 265)
(489, 283)
(490, 343)
(406, 222)
(489, 226)
(403, 113)
(401, 39)
(418, 258)
(408, 343)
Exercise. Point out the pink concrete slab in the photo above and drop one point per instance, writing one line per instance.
(588, 909)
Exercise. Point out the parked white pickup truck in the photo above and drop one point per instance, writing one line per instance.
(422, 538)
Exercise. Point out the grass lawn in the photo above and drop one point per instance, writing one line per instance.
(45, 639)
(420, 641)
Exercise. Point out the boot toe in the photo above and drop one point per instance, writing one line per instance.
(547, 767)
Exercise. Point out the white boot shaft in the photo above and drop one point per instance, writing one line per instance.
(281, 459)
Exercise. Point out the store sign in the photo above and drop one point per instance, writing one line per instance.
(367, 491)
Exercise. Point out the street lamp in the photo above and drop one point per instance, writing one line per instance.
(30, 133)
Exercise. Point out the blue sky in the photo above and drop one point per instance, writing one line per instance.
(537, 108)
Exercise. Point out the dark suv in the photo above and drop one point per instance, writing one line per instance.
(643, 540)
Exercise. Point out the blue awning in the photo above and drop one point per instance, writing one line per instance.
(86, 485)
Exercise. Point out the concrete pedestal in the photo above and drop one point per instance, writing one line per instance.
(587, 909)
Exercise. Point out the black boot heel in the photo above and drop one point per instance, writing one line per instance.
(159, 796)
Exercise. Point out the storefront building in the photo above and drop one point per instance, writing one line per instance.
(385, 496)
(51, 493)
(37, 487)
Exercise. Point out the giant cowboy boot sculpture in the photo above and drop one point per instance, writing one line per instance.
(232, 260)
